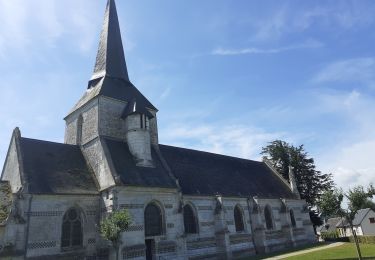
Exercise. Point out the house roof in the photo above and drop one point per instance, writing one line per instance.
(330, 225)
(54, 168)
(361, 214)
(210, 174)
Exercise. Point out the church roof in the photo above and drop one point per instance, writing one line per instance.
(110, 77)
(136, 107)
(131, 175)
(110, 59)
(202, 173)
(54, 168)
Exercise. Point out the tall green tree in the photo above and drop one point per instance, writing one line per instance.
(112, 226)
(311, 183)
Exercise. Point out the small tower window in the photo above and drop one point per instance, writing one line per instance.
(143, 121)
(71, 229)
(79, 129)
(238, 219)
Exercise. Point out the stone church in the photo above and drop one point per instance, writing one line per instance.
(184, 204)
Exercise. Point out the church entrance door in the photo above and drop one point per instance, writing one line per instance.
(150, 249)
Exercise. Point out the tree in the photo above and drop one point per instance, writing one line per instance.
(330, 205)
(359, 198)
(310, 182)
(112, 226)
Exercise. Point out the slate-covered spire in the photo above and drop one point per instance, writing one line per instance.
(110, 60)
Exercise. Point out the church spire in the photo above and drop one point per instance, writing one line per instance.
(110, 60)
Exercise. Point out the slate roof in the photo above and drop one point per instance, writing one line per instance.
(136, 107)
(110, 77)
(209, 174)
(54, 168)
(110, 59)
(132, 175)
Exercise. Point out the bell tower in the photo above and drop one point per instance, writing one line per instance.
(112, 107)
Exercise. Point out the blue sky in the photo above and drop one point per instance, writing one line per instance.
(226, 76)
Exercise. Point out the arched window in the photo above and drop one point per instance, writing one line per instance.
(190, 222)
(268, 217)
(292, 219)
(71, 229)
(153, 220)
(238, 219)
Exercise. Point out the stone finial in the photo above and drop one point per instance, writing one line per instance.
(292, 181)
(219, 204)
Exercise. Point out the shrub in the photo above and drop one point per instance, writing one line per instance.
(330, 236)
(364, 239)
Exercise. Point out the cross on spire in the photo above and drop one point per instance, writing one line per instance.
(110, 60)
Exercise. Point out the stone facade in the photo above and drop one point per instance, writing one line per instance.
(225, 226)
(40, 232)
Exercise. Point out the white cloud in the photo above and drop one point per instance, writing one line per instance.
(44, 21)
(252, 50)
(234, 140)
(360, 70)
(350, 157)
(288, 19)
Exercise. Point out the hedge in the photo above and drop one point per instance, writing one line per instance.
(364, 239)
(330, 236)
(333, 236)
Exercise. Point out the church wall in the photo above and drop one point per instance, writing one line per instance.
(204, 242)
(136, 200)
(110, 122)
(11, 170)
(282, 234)
(89, 113)
(14, 229)
(45, 224)
(95, 156)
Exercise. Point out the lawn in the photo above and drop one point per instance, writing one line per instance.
(346, 251)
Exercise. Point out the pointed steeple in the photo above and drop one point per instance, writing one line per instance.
(110, 60)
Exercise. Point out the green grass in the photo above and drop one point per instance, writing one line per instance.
(346, 251)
